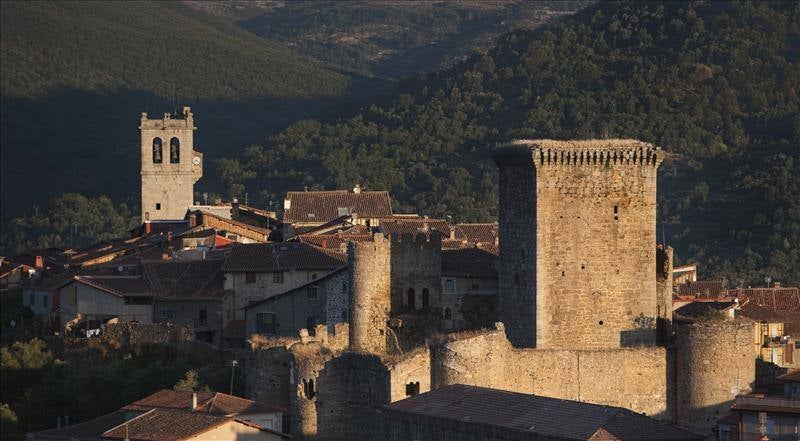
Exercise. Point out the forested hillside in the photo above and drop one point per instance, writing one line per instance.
(393, 39)
(75, 77)
(714, 84)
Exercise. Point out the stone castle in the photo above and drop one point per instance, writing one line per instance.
(584, 303)
(170, 166)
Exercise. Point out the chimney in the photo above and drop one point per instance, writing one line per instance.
(194, 400)
(777, 284)
(40, 263)
(192, 220)
(357, 189)
(325, 243)
(146, 225)
(452, 233)
(235, 209)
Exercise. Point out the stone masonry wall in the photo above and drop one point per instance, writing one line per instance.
(416, 264)
(171, 185)
(352, 389)
(594, 248)
(715, 362)
(414, 368)
(370, 294)
(516, 302)
(634, 378)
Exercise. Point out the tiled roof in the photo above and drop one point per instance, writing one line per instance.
(414, 226)
(694, 310)
(486, 233)
(282, 256)
(753, 311)
(165, 425)
(336, 242)
(88, 430)
(703, 289)
(324, 206)
(214, 403)
(120, 286)
(793, 376)
(777, 299)
(469, 262)
(536, 415)
(192, 279)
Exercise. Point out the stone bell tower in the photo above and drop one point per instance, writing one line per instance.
(170, 166)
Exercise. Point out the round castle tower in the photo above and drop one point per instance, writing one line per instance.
(715, 361)
(370, 293)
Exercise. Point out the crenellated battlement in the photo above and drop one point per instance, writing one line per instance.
(184, 121)
(604, 152)
(431, 239)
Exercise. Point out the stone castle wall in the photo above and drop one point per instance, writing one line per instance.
(634, 378)
(370, 294)
(135, 334)
(412, 369)
(353, 387)
(593, 210)
(715, 362)
(416, 266)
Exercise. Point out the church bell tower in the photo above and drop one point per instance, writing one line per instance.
(170, 165)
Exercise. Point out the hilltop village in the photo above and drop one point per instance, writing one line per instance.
(563, 320)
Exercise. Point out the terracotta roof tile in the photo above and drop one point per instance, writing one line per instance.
(702, 289)
(215, 403)
(120, 286)
(532, 414)
(694, 310)
(282, 256)
(324, 206)
(182, 279)
(414, 226)
(165, 425)
(335, 242)
(777, 298)
(88, 430)
(486, 233)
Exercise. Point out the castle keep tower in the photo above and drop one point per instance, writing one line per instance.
(578, 255)
(170, 166)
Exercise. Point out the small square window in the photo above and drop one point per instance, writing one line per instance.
(249, 277)
(475, 287)
(158, 205)
(313, 292)
(277, 277)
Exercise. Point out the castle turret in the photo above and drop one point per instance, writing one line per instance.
(170, 165)
(715, 362)
(577, 260)
(416, 267)
(370, 294)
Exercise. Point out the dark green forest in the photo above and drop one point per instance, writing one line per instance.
(715, 84)
(399, 39)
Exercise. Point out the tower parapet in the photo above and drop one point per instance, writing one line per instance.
(577, 259)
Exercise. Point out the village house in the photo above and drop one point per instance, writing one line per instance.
(320, 301)
(306, 210)
(169, 415)
(460, 412)
(256, 272)
(87, 302)
(469, 288)
(191, 292)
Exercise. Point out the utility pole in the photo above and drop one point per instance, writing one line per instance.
(234, 363)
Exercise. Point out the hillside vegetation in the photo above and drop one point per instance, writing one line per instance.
(160, 47)
(75, 77)
(393, 39)
(714, 84)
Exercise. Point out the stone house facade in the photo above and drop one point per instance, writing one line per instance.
(255, 272)
(320, 301)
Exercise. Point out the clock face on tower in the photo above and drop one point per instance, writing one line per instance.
(196, 160)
